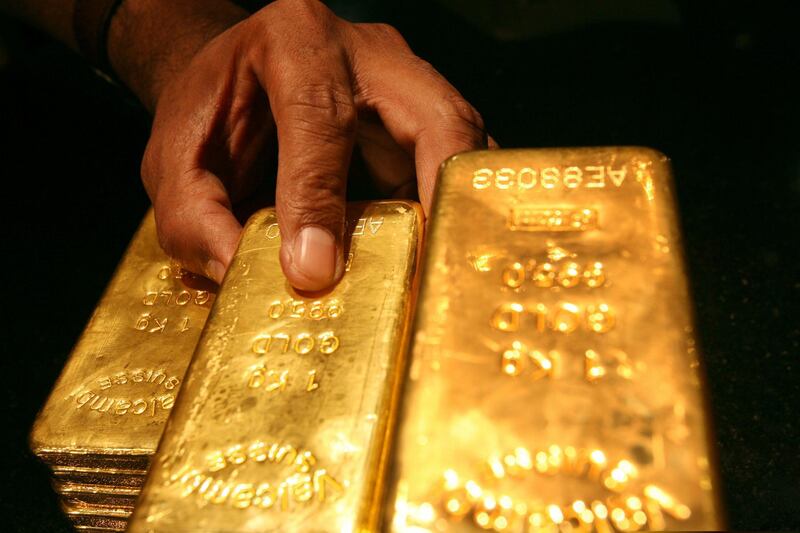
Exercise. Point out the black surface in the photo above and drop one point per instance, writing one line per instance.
(715, 92)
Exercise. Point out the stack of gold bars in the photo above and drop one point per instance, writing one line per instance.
(104, 418)
(545, 377)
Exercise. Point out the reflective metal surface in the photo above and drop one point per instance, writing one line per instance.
(102, 421)
(95, 476)
(102, 496)
(284, 419)
(554, 381)
(110, 403)
(85, 518)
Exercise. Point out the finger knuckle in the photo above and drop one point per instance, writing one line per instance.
(168, 227)
(454, 109)
(421, 67)
(387, 32)
(307, 11)
(318, 202)
(147, 168)
(325, 109)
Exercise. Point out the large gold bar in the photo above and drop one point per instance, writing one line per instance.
(109, 406)
(554, 379)
(283, 423)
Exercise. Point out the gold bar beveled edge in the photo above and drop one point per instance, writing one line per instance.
(94, 476)
(372, 513)
(70, 488)
(103, 523)
(121, 472)
(95, 529)
(99, 505)
(84, 459)
(99, 512)
(93, 452)
(709, 428)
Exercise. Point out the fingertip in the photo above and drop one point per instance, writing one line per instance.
(202, 236)
(313, 261)
(215, 270)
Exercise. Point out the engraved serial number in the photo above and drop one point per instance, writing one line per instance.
(357, 228)
(179, 298)
(315, 310)
(300, 343)
(564, 317)
(571, 177)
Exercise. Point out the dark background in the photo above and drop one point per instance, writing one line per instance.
(711, 84)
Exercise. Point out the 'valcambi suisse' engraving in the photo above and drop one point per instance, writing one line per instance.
(285, 417)
(554, 380)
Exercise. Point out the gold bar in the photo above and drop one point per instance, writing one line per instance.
(283, 423)
(109, 405)
(94, 501)
(95, 518)
(95, 476)
(554, 381)
(97, 495)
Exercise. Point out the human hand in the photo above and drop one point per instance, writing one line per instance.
(295, 74)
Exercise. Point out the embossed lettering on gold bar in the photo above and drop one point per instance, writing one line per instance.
(284, 419)
(535, 218)
(113, 397)
(553, 381)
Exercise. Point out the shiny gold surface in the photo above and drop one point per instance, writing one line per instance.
(90, 529)
(110, 403)
(102, 496)
(94, 476)
(283, 422)
(99, 502)
(96, 518)
(554, 381)
(76, 510)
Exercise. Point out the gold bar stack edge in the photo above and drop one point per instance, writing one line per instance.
(554, 381)
(104, 417)
(285, 418)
